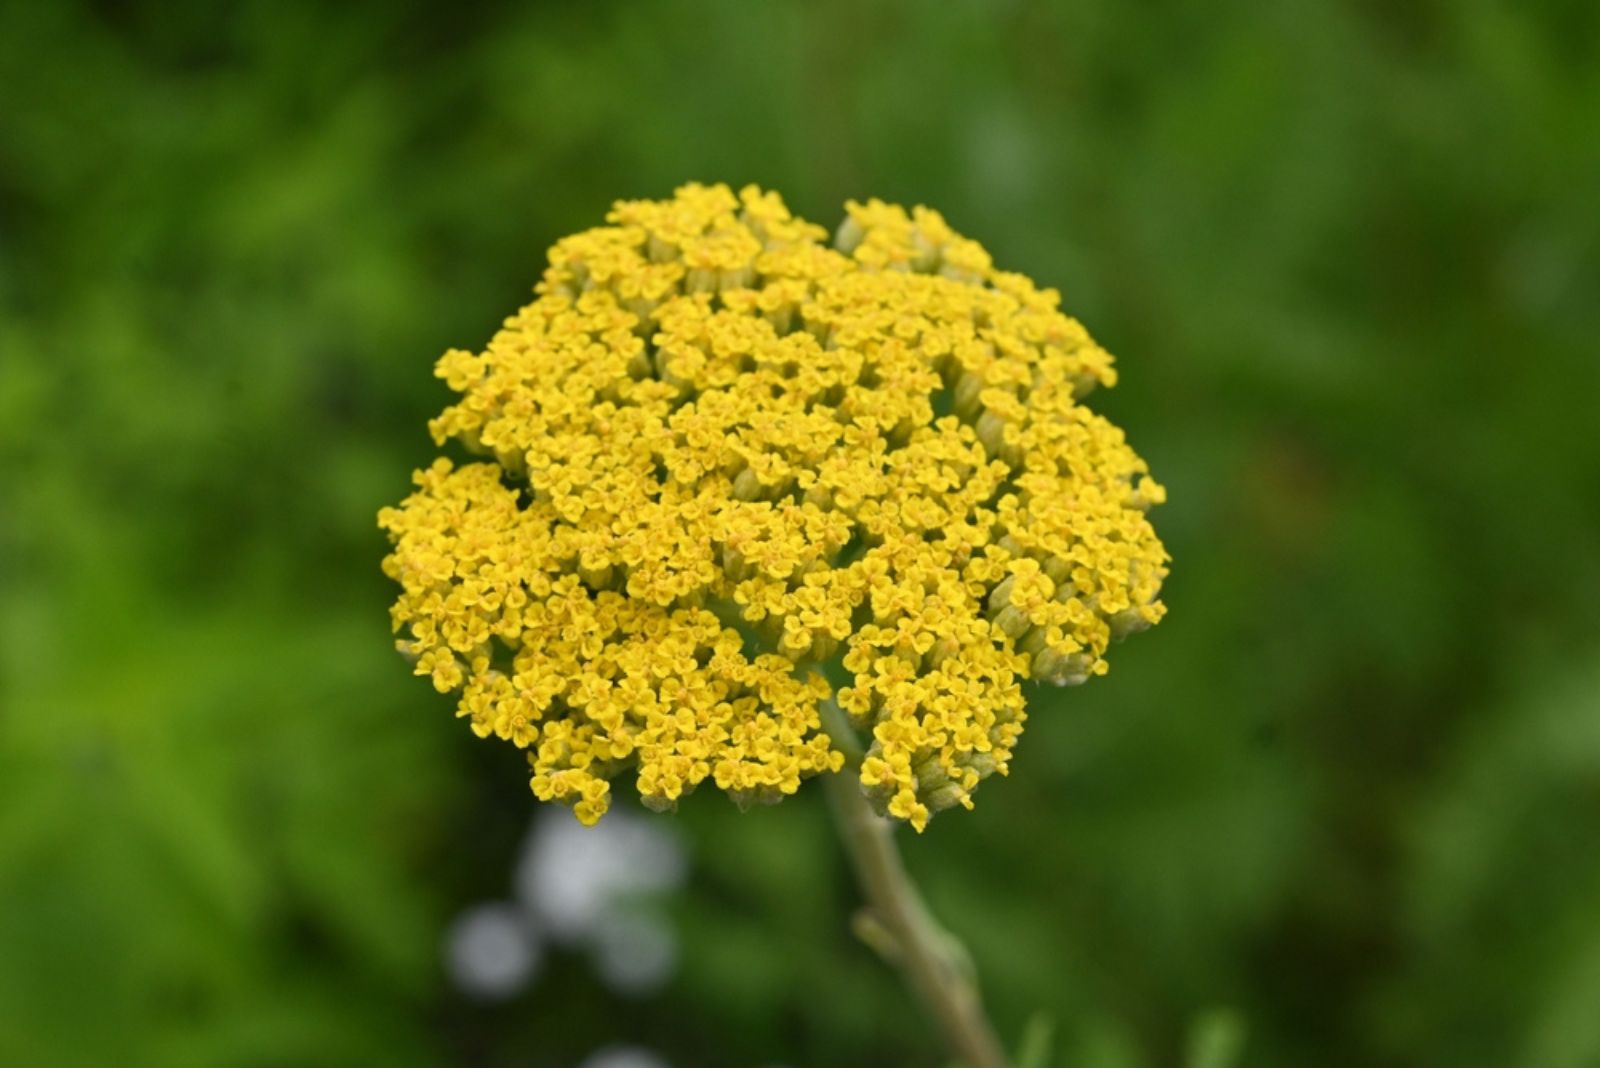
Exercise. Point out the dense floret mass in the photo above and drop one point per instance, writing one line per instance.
(724, 460)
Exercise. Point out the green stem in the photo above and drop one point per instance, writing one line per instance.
(899, 926)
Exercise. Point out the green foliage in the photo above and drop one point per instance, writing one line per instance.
(1340, 808)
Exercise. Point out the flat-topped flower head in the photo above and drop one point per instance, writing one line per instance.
(723, 460)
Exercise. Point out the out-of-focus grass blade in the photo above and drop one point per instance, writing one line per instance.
(1038, 1038)
(1216, 1039)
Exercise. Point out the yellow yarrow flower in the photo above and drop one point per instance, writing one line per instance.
(722, 459)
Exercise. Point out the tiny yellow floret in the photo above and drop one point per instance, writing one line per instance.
(721, 457)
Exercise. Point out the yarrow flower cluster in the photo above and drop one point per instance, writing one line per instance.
(732, 472)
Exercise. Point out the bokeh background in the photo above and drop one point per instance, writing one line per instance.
(1341, 808)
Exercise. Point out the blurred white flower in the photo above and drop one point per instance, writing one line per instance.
(571, 876)
(491, 951)
(623, 1057)
(634, 951)
(589, 888)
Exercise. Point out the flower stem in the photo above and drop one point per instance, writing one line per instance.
(898, 925)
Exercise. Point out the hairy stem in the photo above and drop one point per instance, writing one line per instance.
(898, 925)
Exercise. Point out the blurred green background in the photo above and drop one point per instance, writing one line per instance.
(1343, 805)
